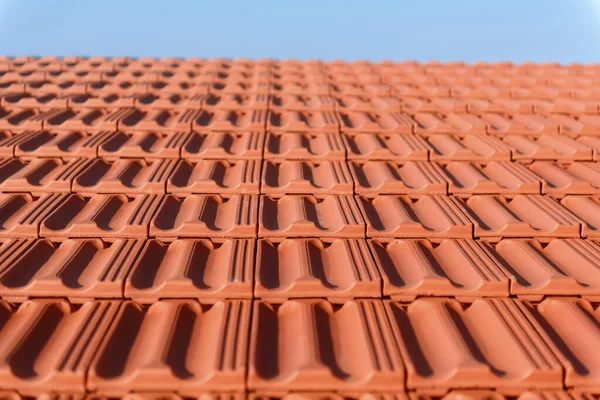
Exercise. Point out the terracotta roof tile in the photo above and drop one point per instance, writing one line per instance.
(412, 178)
(522, 216)
(214, 176)
(300, 343)
(192, 268)
(79, 269)
(306, 177)
(587, 209)
(428, 327)
(52, 144)
(125, 176)
(107, 216)
(223, 145)
(453, 123)
(308, 216)
(570, 327)
(463, 268)
(65, 337)
(205, 215)
(386, 146)
(574, 178)
(376, 121)
(39, 176)
(143, 343)
(481, 148)
(302, 146)
(560, 267)
(468, 178)
(300, 268)
(147, 145)
(547, 147)
(400, 217)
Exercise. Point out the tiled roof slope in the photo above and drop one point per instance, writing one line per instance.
(285, 230)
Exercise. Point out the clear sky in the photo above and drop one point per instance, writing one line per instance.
(469, 30)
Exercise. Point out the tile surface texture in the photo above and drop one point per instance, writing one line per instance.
(230, 229)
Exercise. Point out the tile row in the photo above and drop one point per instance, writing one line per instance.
(434, 68)
(430, 345)
(280, 177)
(339, 269)
(280, 73)
(254, 119)
(359, 147)
(467, 394)
(339, 85)
(302, 102)
(115, 216)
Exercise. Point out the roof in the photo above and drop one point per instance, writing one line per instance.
(213, 227)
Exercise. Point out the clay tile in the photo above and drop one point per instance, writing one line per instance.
(583, 125)
(148, 145)
(547, 147)
(124, 176)
(575, 178)
(39, 176)
(307, 216)
(570, 327)
(298, 102)
(482, 148)
(228, 120)
(523, 216)
(430, 327)
(367, 104)
(52, 331)
(435, 217)
(373, 178)
(303, 146)
(108, 101)
(22, 214)
(78, 269)
(468, 178)
(413, 105)
(377, 122)
(224, 145)
(481, 394)
(567, 106)
(42, 102)
(303, 268)
(303, 121)
(593, 143)
(308, 88)
(464, 268)
(189, 268)
(165, 348)
(306, 177)
(560, 267)
(454, 123)
(102, 216)
(520, 124)
(206, 215)
(500, 106)
(103, 101)
(19, 120)
(392, 147)
(215, 176)
(307, 339)
(51, 144)
(587, 210)
(236, 101)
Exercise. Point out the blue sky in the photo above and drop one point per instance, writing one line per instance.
(470, 30)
